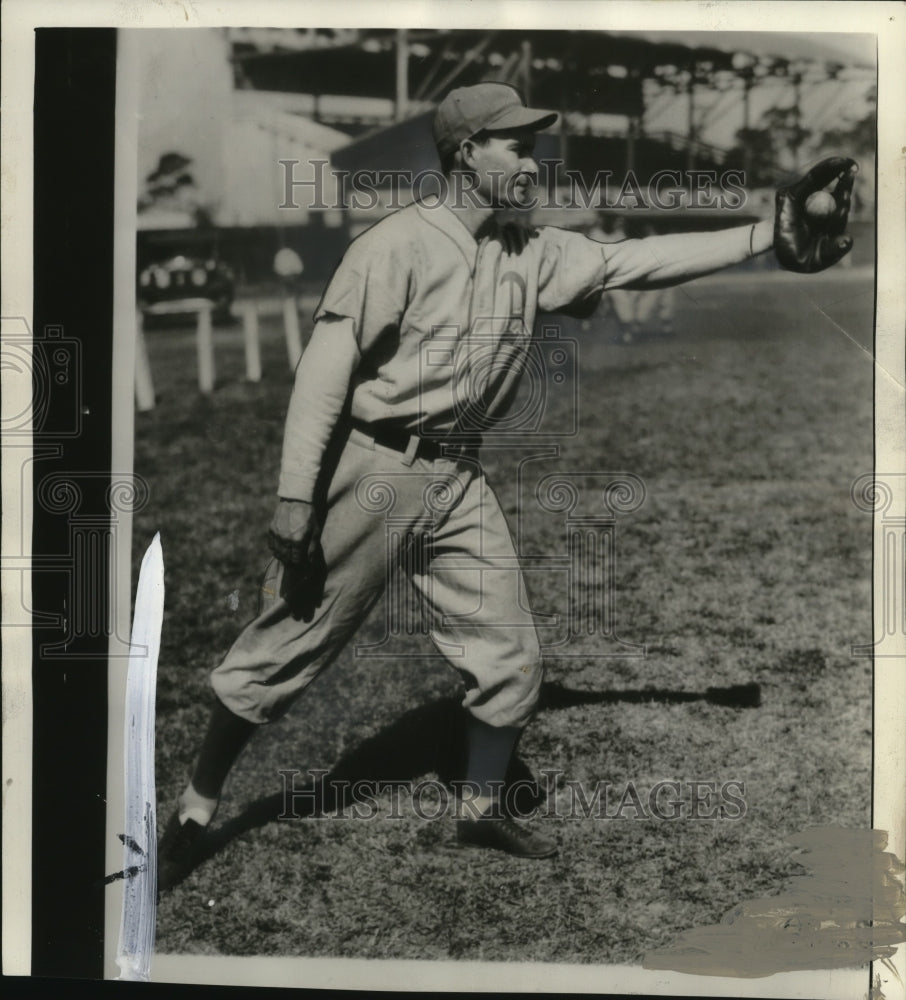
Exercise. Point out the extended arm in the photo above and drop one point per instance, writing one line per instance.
(804, 242)
(659, 261)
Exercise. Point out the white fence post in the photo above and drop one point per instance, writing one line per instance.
(205, 345)
(144, 384)
(291, 327)
(252, 341)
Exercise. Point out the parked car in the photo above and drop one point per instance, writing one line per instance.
(164, 284)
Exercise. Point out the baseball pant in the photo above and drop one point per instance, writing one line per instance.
(439, 519)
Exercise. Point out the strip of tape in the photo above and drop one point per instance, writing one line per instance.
(136, 942)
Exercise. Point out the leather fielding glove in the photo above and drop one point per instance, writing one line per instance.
(295, 536)
(809, 244)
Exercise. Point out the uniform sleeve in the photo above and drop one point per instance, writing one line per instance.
(671, 259)
(370, 287)
(573, 270)
(322, 383)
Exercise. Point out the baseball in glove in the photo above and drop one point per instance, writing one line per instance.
(809, 243)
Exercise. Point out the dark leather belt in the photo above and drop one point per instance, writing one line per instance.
(412, 445)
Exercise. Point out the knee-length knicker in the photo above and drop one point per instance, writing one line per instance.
(442, 521)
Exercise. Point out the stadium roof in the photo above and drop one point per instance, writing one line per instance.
(584, 71)
(829, 47)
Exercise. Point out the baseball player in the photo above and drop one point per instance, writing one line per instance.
(376, 430)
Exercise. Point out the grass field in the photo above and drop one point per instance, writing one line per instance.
(747, 564)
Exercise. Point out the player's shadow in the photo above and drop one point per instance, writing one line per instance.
(554, 696)
(431, 739)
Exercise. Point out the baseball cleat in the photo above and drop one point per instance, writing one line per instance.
(177, 852)
(503, 833)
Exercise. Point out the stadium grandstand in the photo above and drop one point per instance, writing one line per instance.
(326, 101)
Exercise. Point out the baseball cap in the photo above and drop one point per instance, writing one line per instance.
(484, 106)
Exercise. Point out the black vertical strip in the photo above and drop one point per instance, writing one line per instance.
(75, 75)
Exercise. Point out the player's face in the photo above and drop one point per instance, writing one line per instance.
(505, 169)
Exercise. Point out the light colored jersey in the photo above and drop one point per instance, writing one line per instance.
(441, 320)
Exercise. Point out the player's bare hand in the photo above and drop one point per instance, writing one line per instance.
(811, 215)
(295, 535)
